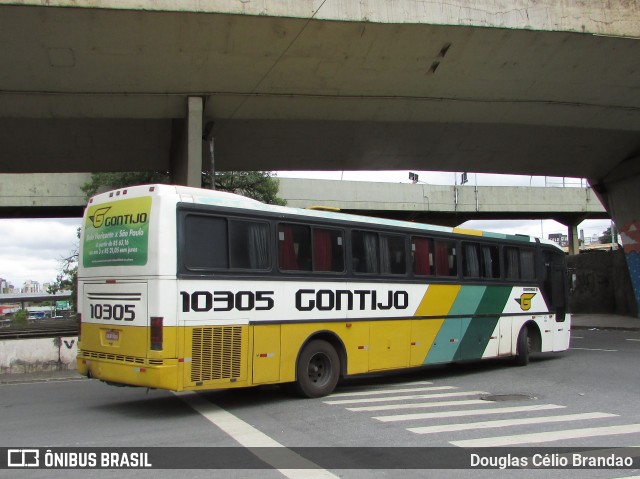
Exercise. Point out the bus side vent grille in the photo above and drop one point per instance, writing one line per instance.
(217, 353)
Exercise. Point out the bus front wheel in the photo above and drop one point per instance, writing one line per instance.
(523, 347)
(318, 369)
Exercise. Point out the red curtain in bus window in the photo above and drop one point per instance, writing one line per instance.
(321, 250)
(287, 258)
(421, 257)
(442, 258)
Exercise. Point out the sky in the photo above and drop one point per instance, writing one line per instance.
(33, 249)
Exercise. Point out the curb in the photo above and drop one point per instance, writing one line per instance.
(40, 380)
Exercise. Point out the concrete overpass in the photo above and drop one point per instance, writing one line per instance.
(541, 87)
(41, 195)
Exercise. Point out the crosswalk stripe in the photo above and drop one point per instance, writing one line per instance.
(390, 398)
(424, 396)
(471, 412)
(378, 392)
(421, 405)
(508, 422)
(540, 437)
(344, 389)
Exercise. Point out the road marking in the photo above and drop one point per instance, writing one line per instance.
(389, 391)
(629, 339)
(577, 337)
(550, 436)
(592, 349)
(471, 412)
(391, 398)
(248, 436)
(387, 407)
(508, 422)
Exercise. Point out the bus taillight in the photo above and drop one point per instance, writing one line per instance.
(156, 333)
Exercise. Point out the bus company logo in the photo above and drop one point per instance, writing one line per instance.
(97, 220)
(525, 301)
(23, 458)
(100, 218)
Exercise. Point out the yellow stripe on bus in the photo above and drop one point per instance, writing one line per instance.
(465, 231)
(436, 302)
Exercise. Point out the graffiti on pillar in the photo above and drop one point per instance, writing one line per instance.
(630, 234)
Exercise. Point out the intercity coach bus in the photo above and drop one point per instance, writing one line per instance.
(188, 289)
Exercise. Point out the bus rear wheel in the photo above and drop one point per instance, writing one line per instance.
(318, 369)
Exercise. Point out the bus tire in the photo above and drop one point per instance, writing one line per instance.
(523, 347)
(318, 369)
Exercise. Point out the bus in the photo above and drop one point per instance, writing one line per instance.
(189, 289)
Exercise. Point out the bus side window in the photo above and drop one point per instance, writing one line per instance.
(519, 263)
(528, 264)
(445, 258)
(206, 246)
(364, 249)
(512, 262)
(328, 250)
(481, 261)
(422, 256)
(249, 245)
(392, 254)
(294, 247)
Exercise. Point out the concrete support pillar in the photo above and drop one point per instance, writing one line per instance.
(620, 194)
(186, 158)
(572, 222)
(574, 240)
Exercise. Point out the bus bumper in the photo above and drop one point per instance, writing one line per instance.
(164, 376)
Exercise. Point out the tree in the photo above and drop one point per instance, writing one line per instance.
(67, 279)
(606, 237)
(259, 185)
(114, 181)
(20, 320)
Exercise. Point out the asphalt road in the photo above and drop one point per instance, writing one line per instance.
(587, 397)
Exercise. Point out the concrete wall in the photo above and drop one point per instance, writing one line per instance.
(42, 189)
(602, 285)
(33, 355)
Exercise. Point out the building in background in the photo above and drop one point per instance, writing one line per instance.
(30, 286)
(6, 287)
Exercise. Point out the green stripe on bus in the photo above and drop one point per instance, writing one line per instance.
(478, 334)
(446, 345)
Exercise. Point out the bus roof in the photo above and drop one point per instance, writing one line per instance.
(231, 200)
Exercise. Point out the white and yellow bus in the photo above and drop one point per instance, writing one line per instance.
(188, 289)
